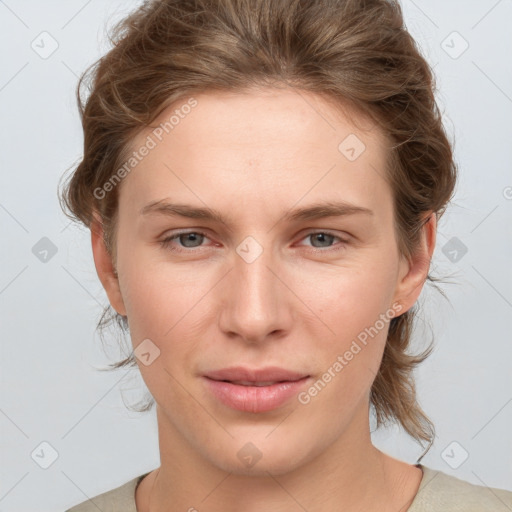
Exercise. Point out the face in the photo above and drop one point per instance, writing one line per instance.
(259, 330)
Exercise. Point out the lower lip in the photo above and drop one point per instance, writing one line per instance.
(255, 398)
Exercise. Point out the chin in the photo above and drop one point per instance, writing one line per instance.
(275, 463)
(258, 454)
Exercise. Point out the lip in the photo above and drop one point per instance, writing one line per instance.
(272, 388)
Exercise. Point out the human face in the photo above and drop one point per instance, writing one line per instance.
(259, 289)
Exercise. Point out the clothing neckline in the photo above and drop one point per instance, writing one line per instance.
(423, 483)
(428, 475)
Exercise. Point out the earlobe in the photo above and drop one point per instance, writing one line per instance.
(414, 271)
(105, 266)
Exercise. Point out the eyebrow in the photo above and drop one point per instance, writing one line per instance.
(311, 212)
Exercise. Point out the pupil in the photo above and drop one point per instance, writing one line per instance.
(190, 237)
(322, 238)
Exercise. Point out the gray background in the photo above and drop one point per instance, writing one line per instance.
(50, 390)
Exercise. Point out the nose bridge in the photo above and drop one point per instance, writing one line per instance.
(255, 302)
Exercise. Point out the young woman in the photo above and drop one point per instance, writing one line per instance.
(262, 180)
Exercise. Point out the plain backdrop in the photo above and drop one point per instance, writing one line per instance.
(66, 434)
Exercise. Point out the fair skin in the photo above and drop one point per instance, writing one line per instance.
(298, 305)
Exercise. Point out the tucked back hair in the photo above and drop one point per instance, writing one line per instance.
(356, 53)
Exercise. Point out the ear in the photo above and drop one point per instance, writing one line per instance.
(105, 267)
(413, 271)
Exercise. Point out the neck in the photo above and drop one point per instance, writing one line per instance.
(351, 472)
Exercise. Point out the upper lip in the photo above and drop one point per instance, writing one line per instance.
(268, 374)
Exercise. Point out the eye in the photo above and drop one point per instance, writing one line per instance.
(189, 239)
(325, 239)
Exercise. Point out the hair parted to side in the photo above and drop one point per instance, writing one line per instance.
(355, 53)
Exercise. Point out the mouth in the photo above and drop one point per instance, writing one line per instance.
(254, 391)
(253, 383)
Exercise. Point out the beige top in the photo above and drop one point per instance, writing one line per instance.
(438, 492)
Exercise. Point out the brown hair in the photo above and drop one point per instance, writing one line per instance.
(356, 53)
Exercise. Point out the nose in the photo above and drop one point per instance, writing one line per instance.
(256, 304)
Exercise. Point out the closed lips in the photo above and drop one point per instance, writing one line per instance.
(254, 390)
(248, 383)
(243, 376)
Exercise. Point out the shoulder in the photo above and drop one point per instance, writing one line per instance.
(120, 499)
(439, 491)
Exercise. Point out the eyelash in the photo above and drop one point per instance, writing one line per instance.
(166, 242)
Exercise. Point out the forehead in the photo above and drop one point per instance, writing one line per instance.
(263, 145)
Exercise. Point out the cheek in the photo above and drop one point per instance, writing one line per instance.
(351, 299)
(163, 308)
(356, 306)
(359, 315)
(156, 292)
